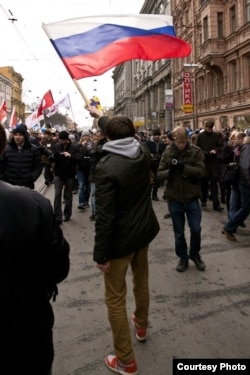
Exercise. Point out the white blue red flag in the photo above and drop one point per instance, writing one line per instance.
(89, 46)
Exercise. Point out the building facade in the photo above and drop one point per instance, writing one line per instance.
(219, 65)
(212, 83)
(5, 92)
(14, 96)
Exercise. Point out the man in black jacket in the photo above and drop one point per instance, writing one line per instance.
(65, 157)
(209, 142)
(34, 259)
(156, 148)
(20, 163)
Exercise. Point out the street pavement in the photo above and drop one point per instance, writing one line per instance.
(193, 314)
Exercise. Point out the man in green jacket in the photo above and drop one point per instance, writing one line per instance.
(125, 225)
(182, 165)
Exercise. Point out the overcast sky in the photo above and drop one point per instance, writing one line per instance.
(25, 46)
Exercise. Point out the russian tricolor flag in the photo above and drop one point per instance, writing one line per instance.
(89, 46)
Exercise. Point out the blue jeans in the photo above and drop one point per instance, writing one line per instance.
(234, 201)
(241, 214)
(179, 212)
(82, 180)
(92, 198)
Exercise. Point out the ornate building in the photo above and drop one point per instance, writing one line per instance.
(15, 97)
(213, 82)
(219, 66)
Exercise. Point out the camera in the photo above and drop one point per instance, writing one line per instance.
(174, 162)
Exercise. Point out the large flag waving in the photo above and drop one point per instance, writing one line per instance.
(46, 102)
(33, 120)
(89, 46)
(3, 112)
(63, 102)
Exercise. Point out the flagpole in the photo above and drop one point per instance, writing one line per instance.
(81, 92)
(71, 109)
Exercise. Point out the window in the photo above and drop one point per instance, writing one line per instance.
(205, 28)
(232, 19)
(247, 10)
(220, 24)
(233, 76)
(246, 71)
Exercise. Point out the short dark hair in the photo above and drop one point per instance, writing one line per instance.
(209, 124)
(119, 127)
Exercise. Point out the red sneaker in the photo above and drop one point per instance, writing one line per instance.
(140, 333)
(113, 363)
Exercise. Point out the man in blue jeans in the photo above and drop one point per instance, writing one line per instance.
(182, 165)
(239, 216)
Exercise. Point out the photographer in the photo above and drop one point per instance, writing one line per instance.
(182, 165)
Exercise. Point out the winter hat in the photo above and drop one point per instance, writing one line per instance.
(247, 132)
(63, 135)
(22, 129)
(170, 136)
(85, 132)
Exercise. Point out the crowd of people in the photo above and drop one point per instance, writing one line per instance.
(116, 171)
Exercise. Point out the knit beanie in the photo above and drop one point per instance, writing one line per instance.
(22, 129)
(63, 135)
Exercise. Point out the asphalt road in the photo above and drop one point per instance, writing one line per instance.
(192, 314)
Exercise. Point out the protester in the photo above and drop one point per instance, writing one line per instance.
(96, 155)
(169, 140)
(34, 259)
(83, 169)
(156, 147)
(209, 142)
(65, 157)
(239, 215)
(225, 156)
(48, 142)
(125, 225)
(182, 164)
(235, 201)
(20, 163)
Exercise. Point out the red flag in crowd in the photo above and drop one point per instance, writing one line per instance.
(13, 118)
(3, 112)
(46, 102)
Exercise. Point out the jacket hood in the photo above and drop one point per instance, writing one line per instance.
(128, 147)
